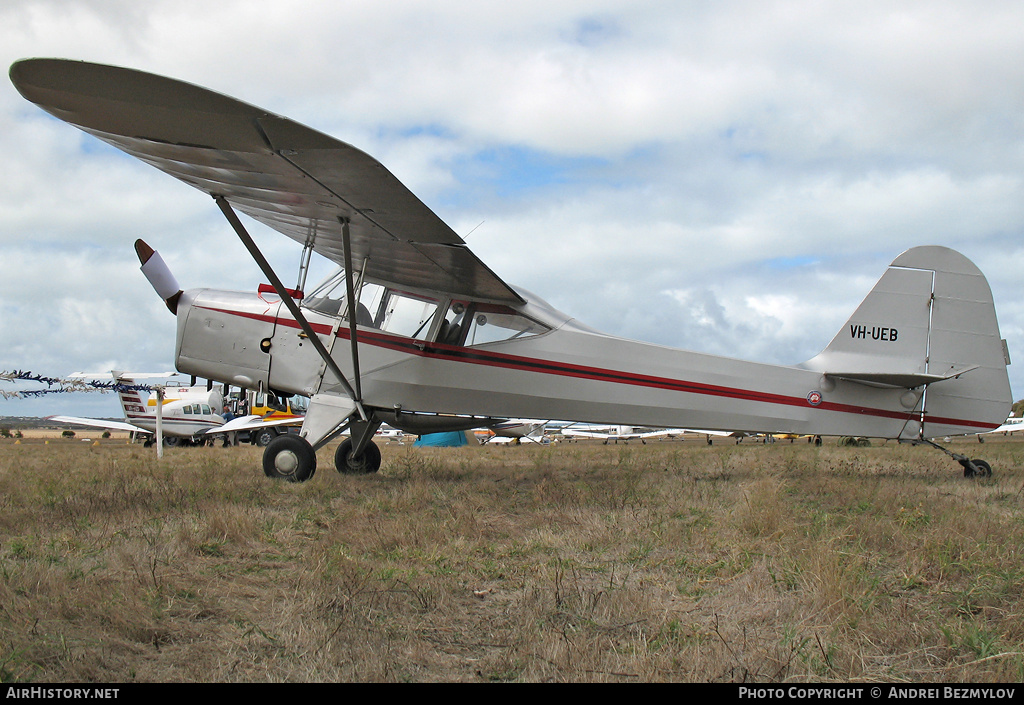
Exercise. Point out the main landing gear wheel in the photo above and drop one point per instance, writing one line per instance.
(289, 457)
(365, 463)
(980, 468)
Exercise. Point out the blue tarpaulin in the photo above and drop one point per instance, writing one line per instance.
(443, 440)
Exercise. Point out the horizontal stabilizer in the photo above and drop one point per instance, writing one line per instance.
(97, 423)
(896, 379)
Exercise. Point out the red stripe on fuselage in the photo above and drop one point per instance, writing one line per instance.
(440, 351)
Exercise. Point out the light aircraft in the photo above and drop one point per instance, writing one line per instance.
(485, 437)
(389, 434)
(708, 433)
(512, 431)
(189, 414)
(1011, 425)
(616, 433)
(419, 333)
(516, 429)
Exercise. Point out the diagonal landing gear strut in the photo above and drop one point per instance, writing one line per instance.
(293, 458)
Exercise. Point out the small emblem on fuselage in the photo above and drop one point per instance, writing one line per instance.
(814, 398)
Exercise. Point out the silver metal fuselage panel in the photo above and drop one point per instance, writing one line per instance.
(219, 334)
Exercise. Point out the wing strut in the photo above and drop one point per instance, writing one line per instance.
(293, 308)
(307, 252)
(346, 241)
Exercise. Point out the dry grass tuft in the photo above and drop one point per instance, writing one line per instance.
(666, 562)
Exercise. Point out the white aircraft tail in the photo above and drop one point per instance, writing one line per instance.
(133, 401)
(928, 325)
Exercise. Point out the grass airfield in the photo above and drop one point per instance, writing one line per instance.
(671, 561)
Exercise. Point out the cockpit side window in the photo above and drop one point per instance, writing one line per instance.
(452, 328)
(477, 324)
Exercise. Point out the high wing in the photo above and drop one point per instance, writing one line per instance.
(99, 423)
(296, 180)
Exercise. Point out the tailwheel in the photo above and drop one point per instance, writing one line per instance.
(977, 468)
(289, 457)
(972, 468)
(363, 464)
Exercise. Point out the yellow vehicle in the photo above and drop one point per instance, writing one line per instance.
(271, 408)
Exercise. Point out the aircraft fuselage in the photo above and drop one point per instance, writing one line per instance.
(566, 371)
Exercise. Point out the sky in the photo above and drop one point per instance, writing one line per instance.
(729, 177)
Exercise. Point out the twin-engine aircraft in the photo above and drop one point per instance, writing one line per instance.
(417, 332)
(187, 412)
(187, 415)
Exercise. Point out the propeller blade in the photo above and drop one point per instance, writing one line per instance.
(159, 275)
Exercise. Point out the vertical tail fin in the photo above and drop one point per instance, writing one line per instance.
(929, 325)
(132, 402)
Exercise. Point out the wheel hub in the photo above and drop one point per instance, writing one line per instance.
(286, 462)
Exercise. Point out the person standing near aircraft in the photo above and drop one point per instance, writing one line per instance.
(231, 438)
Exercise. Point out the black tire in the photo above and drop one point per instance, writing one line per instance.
(173, 441)
(264, 436)
(347, 464)
(981, 469)
(290, 458)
